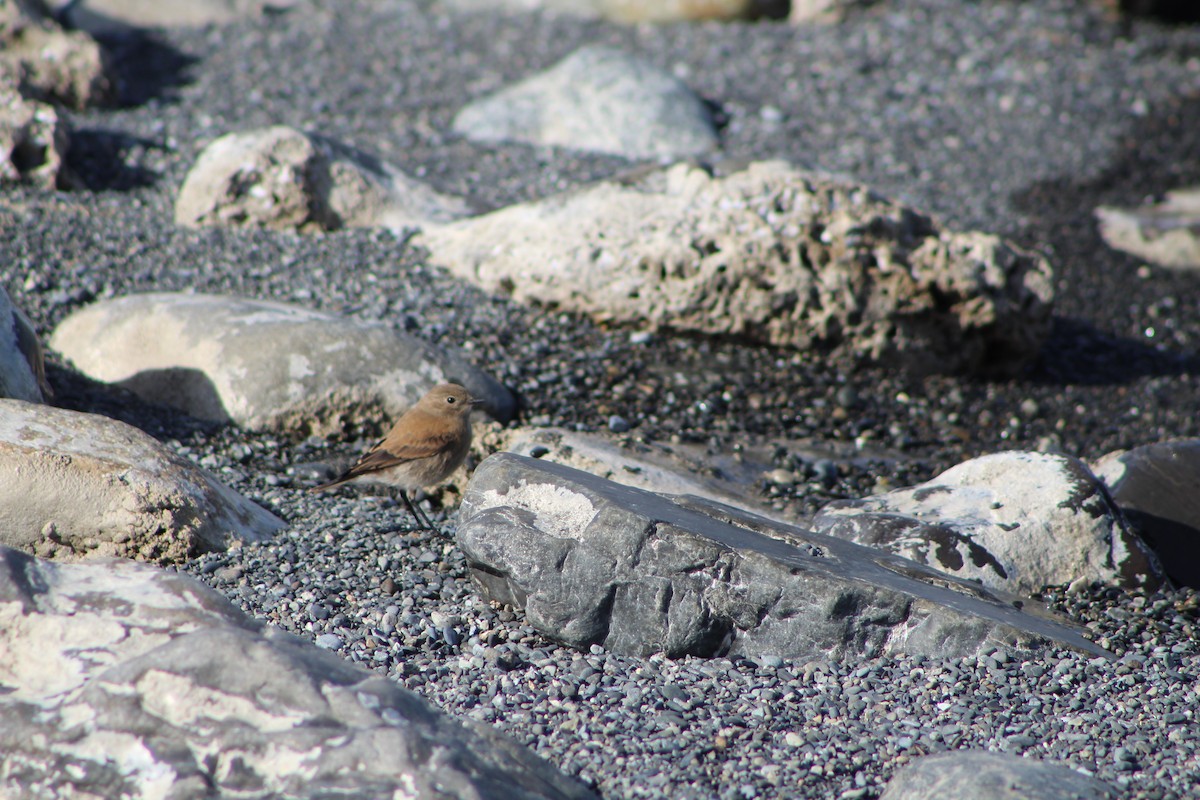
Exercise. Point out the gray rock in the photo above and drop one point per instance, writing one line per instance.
(599, 99)
(651, 466)
(22, 369)
(1157, 488)
(33, 142)
(263, 365)
(118, 17)
(122, 680)
(992, 776)
(282, 178)
(1015, 521)
(768, 253)
(594, 562)
(1166, 233)
(84, 485)
(43, 62)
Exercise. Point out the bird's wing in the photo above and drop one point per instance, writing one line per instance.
(390, 453)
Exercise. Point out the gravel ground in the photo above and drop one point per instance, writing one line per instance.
(1012, 117)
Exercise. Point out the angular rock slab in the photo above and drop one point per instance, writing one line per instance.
(1015, 521)
(75, 484)
(22, 368)
(121, 680)
(768, 253)
(981, 775)
(1166, 233)
(1157, 488)
(263, 365)
(593, 562)
(649, 466)
(599, 99)
(282, 178)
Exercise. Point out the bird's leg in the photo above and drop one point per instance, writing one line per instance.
(421, 519)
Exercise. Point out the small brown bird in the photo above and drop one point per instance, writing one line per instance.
(425, 445)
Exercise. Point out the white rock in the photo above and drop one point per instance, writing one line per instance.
(1016, 521)
(768, 253)
(1166, 233)
(263, 365)
(22, 370)
(282, 178)
(123, 680)
(75, 484)
(598, 99)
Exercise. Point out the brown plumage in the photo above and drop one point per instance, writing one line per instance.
(425, 445)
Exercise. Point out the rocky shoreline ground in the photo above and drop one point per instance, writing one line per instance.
(1003, 124)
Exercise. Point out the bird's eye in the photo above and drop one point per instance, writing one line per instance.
(451, 400)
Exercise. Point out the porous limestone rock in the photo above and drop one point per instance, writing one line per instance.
(263, 365)
(79, 485)
(282, 178)
(33, 142)
(768, 253)
(1016, 521)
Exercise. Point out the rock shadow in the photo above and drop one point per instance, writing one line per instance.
(146, 67)
(75, 391)
(1098, 284)
(101, 159)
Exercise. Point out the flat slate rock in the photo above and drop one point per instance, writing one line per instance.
(81, 485)
(593, 562)
(1016, 521)
(1157, 488)
(282, 178)
(981, 775)
(264, 365)
(118, 679)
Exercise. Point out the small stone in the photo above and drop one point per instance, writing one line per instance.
(618, 424)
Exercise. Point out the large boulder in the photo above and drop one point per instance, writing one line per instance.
(263, 365)
(22, 368)
(593, 562)
(768, 253)
(598, 99)
(282, 178)
(122, 680)
(1157, 488)
(1016, 521)
(75, 485)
